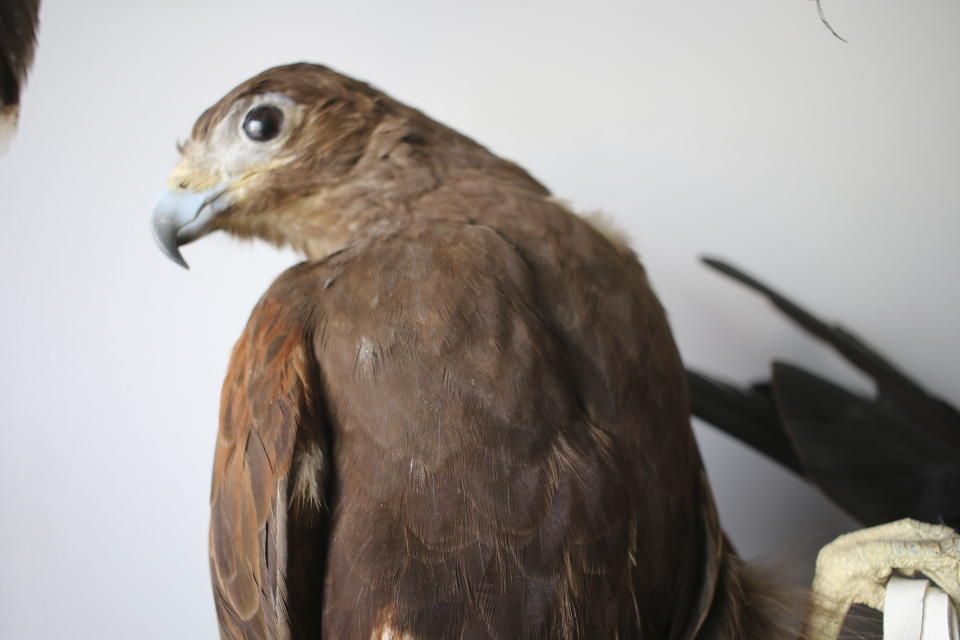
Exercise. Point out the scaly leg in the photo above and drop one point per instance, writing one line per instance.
(855, 568)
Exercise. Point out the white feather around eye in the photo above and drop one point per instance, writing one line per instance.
(232, 153)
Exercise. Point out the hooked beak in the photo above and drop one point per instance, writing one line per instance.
(180, 217)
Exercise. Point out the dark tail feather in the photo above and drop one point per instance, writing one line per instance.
(880, 459)
(748, 415)
(865, 457)
(918, 406)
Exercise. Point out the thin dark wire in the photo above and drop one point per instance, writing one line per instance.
(826, 23)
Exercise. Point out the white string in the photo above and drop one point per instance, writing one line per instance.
(916, 610)
(939, 616)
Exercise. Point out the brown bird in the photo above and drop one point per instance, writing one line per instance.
(464, 416)
(18, 37)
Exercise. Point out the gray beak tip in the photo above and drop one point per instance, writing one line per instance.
(183, 216)
(166, 238)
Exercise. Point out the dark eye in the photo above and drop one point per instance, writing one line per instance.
(263, 123)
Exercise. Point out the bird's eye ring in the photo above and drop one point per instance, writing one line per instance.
(263, 123)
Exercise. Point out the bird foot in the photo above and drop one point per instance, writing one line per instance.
(855, 568)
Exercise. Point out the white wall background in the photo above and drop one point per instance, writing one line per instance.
(741, 128)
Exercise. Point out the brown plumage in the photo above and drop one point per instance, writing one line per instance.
(18, 34)
(463, 417)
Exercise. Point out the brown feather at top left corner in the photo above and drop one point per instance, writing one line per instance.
(18, 39)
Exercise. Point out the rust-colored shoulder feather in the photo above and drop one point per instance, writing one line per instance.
(268, 478)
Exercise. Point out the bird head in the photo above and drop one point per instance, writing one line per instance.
(301, 155)
(262, 160)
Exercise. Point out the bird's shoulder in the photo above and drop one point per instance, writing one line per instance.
(429, 259)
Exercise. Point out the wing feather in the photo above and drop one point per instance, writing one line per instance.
(268, 421)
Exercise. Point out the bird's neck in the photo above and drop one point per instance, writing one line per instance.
(403, 188)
